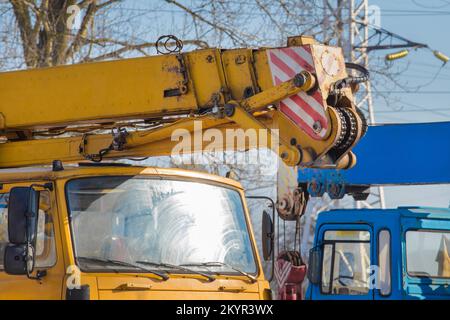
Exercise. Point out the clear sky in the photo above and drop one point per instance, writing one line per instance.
(424, 21)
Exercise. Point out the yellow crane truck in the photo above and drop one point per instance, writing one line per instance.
(73, 226)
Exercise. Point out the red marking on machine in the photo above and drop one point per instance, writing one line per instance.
(290, 271)
(307, 111)
(282, 271)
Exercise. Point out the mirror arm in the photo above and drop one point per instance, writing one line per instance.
(39, 275)
(48, 186)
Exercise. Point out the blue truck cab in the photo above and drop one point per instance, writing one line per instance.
(375, 254)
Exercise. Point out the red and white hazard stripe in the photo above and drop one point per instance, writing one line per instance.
(303, 109)
(282, 271)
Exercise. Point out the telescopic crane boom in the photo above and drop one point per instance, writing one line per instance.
(303, 90)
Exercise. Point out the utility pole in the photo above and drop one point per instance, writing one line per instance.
(348, 22)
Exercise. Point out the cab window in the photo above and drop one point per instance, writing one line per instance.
(45, 241)
(346, 262)
(428, 253)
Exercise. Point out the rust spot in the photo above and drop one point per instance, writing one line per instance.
(172, 69)
(240, 59)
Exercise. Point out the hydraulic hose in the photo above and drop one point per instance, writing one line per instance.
(353, 79)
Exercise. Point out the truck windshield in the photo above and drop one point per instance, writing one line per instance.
(174, 222)
(346, 261)
(428, 253)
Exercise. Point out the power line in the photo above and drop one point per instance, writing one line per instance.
(413, 92)
(444, 4)
(393, 12)
(447, 109)
(414, 11)
(386, 12)
(418, 108)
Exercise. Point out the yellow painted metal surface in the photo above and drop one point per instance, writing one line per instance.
(121, 285)
(152, 90)
(50, 287)
(240, 74)
(88, 92)
(177, 287)
(127, 89)
(43, 151)
(159, 142)
(124, 89)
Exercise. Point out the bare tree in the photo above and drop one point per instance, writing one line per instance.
(250, 23)
(37, 33)
(44, 32)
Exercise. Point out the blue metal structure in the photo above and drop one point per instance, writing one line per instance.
(396, 154)
(397, 222)
(403, 154)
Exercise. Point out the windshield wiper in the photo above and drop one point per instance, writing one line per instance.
(123, 264)
(221, 264)
(181, 267)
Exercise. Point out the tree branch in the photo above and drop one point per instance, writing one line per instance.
(126, 47)
(217, 26)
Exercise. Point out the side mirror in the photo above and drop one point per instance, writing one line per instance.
(267, 236)
(23, 210)
(314, 265)
(15, 259)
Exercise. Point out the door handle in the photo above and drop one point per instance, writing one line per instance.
(134, 286)
(231, 289)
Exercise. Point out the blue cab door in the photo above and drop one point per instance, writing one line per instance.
(426, 256)
(346, 262)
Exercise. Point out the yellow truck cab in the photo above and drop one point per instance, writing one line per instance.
(115, 231)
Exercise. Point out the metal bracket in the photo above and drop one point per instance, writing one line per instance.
(183, 87)
(117, 144)
(290, 209)
(119, 139)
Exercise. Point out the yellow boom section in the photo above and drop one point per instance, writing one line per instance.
(237, 88)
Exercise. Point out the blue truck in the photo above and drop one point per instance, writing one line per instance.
(379, 254)
(384, 254)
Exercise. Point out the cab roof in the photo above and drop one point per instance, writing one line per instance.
(345, 215)
(93, 169)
